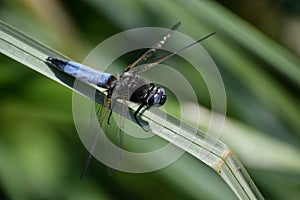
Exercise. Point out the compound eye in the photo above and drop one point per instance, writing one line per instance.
(161, 96)
(163, 100)
(158, 99)
(160, 91)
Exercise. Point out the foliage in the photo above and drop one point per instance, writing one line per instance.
(41, 155)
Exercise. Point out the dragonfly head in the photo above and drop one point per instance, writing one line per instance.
(157, 97)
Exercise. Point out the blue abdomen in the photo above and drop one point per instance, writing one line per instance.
(82, 72)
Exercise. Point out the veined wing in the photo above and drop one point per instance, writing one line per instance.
(114, 146)
(96, 118)
(163, 58)
(153, 49)
(112, 157)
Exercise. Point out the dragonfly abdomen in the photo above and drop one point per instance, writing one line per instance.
(82, 72)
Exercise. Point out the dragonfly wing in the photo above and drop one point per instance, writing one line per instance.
(153, 49)
(161, 59)
(97, 117)
(114, 147)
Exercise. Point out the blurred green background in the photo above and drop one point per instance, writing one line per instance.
(256, 50)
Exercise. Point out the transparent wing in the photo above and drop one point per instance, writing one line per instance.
(114, 147)
(113, 157)
(96, 119)
(161, 59)
(152, 50)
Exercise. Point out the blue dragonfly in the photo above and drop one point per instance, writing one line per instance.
(121, 85)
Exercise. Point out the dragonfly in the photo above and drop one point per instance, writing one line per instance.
(127, 85)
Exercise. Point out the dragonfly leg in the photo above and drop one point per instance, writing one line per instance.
(109, 117)
(111, 105)
(135, 116)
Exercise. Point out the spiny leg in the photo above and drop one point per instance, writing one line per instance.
(135, 116)
(113, 101)
(108, 120)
